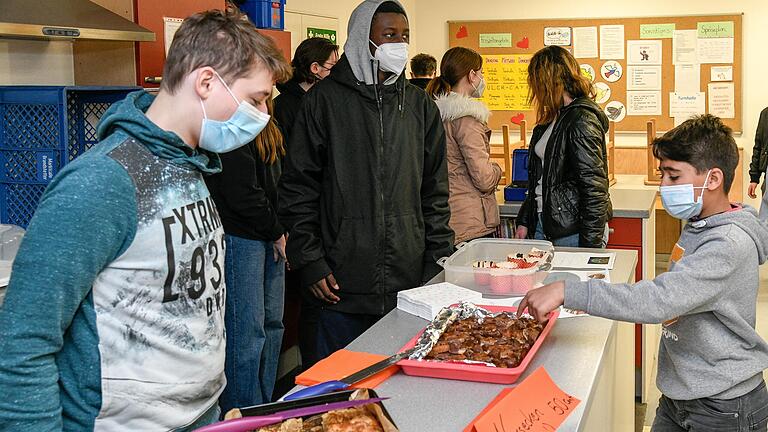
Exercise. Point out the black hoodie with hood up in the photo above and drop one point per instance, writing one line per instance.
(365, 190)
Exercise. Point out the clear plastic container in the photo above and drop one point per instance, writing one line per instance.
(496, 281)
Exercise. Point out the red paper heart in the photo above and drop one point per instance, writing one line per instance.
(523, 43)
(517, 119)
(462, 33)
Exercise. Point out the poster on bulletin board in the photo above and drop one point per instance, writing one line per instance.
(638, 66)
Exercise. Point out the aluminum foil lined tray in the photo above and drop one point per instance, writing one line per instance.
(466, 370)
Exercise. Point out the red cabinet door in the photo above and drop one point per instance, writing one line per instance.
(150, 56)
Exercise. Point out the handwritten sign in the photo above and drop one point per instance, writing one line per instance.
(506, 79)
(535, 405)
(495, 40)
(656, 31)
(560, 36)
(718, 29)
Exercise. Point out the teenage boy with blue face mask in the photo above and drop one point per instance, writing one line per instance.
(711, 359)
(114, 316)
(364, 193)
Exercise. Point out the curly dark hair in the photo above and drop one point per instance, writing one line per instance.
(312, 50)
(423, 65)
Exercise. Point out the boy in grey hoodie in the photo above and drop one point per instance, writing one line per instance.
(711, 359)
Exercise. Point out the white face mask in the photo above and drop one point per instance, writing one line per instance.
(479, 89)
(392, 57)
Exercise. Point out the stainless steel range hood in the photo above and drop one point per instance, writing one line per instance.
(66, 19)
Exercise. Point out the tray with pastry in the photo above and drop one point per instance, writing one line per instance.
(358, 410)
(499, 266)
(476, 343)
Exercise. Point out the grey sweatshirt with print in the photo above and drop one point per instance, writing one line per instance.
(707, 300)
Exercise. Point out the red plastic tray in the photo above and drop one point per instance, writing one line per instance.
(467, 372)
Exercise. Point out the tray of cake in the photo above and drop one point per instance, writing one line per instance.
(477, 343)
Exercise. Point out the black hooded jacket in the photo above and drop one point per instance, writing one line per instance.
(287, 105)
(575, 176)
(365, 190)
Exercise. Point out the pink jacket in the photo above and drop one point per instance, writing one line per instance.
(472, 177)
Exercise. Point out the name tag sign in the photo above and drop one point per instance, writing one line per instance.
(536, 404)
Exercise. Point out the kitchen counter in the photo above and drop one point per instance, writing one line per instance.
(629, 199)
(588, 357)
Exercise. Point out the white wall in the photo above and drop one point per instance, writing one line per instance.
(432, 36)
(32, 62)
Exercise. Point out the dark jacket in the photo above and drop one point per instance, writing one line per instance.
(420, 82)
(575, 176)
(760, 151)
(245, 193)
(365, 191)
(287, 105)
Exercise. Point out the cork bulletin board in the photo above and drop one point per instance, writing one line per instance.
(642, 81)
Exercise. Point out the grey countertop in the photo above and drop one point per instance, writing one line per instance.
(628, 201)
(572, 354)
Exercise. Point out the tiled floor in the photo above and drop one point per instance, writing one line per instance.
(645, 414)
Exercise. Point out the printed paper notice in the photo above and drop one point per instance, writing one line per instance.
(644, 52)
(721, 73)
(684, 47)
(536, 404)
(683, 106)
(643, 103)
(495, 40)
(583, 260)
(611, 42)
(715, 50)
(687, 78)
(560, 36)
(170, 25)
(585, 42)
(656, 31)
(506, 78)
(643, 77)
(721, 100)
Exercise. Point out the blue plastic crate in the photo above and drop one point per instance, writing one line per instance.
(42, 128)
(265, 14)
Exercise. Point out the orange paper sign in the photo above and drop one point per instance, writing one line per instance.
(536, 404)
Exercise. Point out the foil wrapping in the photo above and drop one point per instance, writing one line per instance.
(446, 317)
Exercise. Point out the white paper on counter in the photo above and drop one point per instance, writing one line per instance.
(715, 50)
(721, 73)
(721, 100)
(644, 103)
(683, 106)
(426, 301)
(643, 77)
(687, 78)
(644, 52)
(612, 42)
(583, 260)
(684, 47)
(585, 42)
(503, 302)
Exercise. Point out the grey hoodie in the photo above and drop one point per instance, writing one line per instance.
(357, 48)
(712, 349)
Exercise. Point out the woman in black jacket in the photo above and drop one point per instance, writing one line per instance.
(312, 62)
(568, 201)
(245, 193)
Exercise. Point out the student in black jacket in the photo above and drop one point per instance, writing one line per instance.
(423, 70)
(759, 155)
(245, 193)
(312, 62)
(568, 200)
(365, 190)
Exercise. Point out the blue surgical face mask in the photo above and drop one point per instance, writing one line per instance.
(678, 200)
(241, 128)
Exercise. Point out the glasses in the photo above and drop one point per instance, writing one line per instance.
(325, 67)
